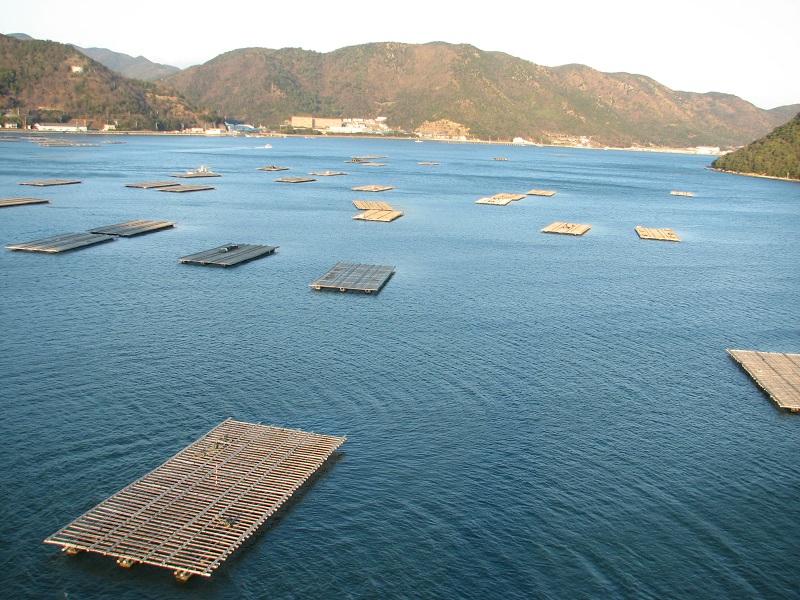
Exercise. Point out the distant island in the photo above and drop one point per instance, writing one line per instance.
(775, 155)
(435, 91)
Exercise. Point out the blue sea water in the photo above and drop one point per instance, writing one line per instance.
(528, 415)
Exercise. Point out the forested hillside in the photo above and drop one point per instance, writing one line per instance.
(491, 94)
(775, 155)
(48, 81)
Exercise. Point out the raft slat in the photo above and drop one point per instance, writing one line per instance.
(132, 228)
(181, 189)
(198, 507)
(776, 373)
(6, 202)
(372, 188)
(61, 243)
(566, 228)
(664, 235)
(369, 205)
(49, 182)
(354, 276)
(228, 254)
(146, 185)
(384, 216)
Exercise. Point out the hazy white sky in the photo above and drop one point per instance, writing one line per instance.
(747, 48)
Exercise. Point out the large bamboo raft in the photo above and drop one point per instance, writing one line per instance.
(194, 510)
(776, 373)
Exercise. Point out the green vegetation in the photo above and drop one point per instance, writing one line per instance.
(494, 95)
(38, 84)
(775, 155)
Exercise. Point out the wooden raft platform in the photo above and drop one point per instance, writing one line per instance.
(372, 188)
(376, 211)
(382, 216)
(182, 189)
(5, 202)
(676, 193)
(196, 175)
(228, 254)
(132, 228)
(540, 193)
(294, 179)
(369, 205)
(272, 168)
(354, 276)
(664, 235)
(776, 373)
(501, 199)
(194, 510)
(327, 173)
(147, 185)
(49, 182)
(62, 243)
(567, 228)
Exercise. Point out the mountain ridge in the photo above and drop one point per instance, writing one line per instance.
(50, 81)
(491, 94)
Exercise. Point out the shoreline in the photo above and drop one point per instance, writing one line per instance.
(663, 150)
(759, 175)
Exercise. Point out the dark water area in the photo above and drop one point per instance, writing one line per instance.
(528, 415)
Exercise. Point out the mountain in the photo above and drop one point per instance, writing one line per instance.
(774, 155)
(135, 68)
(48, 81)
(124, 64)
(492, 95)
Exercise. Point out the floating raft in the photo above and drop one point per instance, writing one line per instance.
(147, 185)
(540, 193)
(327, 173)
(372, 188)
(674, 193)
(499, 158)
(294, 179)
(567, 228)
(428, 162)
(182, 189)
(777, 374)
(228, 254)
(369, 205)
(194, 510)
(373, 164)
(376, 211)
(369, 157)
(49, 182)
(196, 174)
(501, 199)
(353, 276)
(272, 168)
(665, 235)
(132, 228)
(62, 243)
(383, 216)
(4, 202)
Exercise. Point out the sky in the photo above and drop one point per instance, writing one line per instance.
(742, 47)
